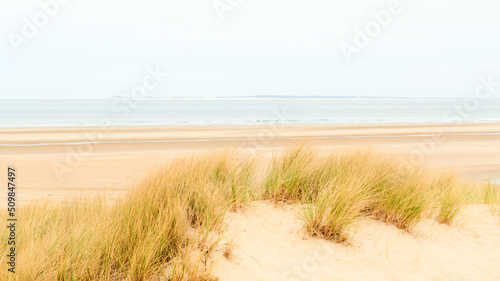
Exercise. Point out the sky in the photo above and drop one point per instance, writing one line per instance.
(76, 49)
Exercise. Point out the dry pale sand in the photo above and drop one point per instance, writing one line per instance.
(57, 163)
(270, 244)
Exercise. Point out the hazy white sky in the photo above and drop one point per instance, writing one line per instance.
(97, 49)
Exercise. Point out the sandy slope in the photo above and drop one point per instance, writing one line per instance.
(270, 245)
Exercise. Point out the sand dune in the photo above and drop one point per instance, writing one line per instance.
(270, 244)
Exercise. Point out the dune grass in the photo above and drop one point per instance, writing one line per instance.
(159, 225)
(338, 188)
(335, 208)
(451, 195)
(491, 193)
(402, 200)
(168, 225)
(294, 176)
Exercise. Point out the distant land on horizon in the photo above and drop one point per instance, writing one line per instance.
(286, 97)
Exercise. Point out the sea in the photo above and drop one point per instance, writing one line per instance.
(243, 111)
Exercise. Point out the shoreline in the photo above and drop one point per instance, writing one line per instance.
(245, 124)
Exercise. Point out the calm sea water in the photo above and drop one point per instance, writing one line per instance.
(121, 112)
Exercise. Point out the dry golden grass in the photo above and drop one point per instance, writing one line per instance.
(491, 193)
(139, 236)
(294, 176)
(338, 188)
(335, 208)
(167, 227)
(451, 194)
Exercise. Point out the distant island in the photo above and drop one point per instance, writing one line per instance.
(281, 97)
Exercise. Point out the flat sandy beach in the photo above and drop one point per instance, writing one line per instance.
(82, 161)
